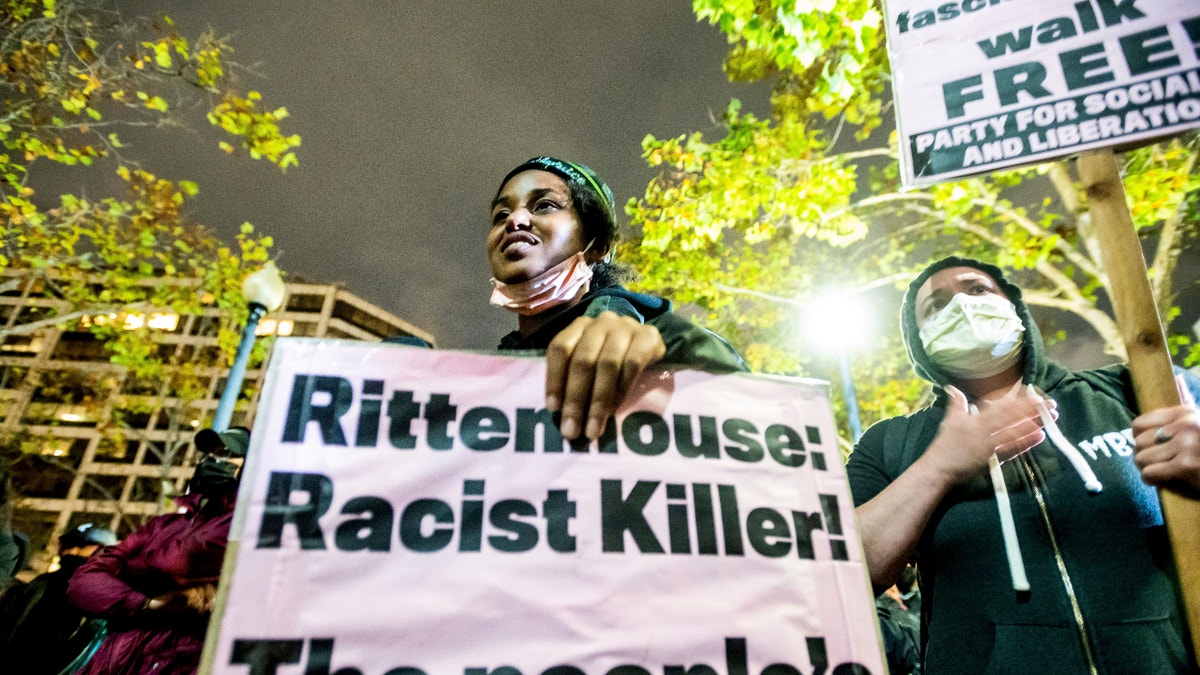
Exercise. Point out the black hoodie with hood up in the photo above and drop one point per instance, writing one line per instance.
(1102, 596)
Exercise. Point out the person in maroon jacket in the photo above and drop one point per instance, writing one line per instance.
(156, 588)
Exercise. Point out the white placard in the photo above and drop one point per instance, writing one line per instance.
(982, 85)
(409, 512)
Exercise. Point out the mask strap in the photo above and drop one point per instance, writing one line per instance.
(608, 257)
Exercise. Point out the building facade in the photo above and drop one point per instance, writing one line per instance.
(90, 442)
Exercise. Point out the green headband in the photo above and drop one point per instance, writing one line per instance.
(572, 173)
(603, 191)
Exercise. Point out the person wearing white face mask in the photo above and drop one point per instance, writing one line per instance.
(1091, 588)
(550, 247)
(974, 336)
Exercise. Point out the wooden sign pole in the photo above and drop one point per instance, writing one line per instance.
(1149, 361)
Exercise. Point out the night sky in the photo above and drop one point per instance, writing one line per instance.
(410, 114)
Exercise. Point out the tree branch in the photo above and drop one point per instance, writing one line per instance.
(1083, 263)
(1064, 185)
(889, 198)
(1166, 253)
(1100, 321)
(33, 326)
(797, 302)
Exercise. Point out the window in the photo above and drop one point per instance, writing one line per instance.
(282, 328)
(204, 326)
(38, 525)
(115, 450)
(360, 318)
(39, 477)
(106, 488)
(140, 387)
(173, 453)
(305, 302)
(189, 387)
(75, 346)
(304, 329)
(133, 417)
(65, 448)
(31, 313)
(147, 489)
(11, 377)
(21, 345)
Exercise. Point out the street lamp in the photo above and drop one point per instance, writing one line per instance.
(264, 290)
(840, 323)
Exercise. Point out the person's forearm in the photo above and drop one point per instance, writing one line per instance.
(891, 524)
(105, 596)
(97, 588)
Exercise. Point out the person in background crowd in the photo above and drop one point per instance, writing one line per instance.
(901, 642)
(40, 630)
(899, 610)
(551, 243)
(903, 601)
(12, 555)
(1100, 596)
(156, 588)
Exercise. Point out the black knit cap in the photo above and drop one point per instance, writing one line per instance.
(922, 365)
(586, 188)
(234, 440)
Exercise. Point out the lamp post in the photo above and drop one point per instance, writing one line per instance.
(851, 395)
(264, 290)
(840, 323)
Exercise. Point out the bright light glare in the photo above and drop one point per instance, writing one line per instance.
(163, 321)
(273, 327)
(838, 322)
(134, 320)
(57, 448)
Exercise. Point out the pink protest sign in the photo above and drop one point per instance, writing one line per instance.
(416, 512)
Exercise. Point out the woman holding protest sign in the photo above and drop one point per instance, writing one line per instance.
(551, 246)
(1058, 563)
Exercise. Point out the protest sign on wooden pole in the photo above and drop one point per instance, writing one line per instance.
(986, 86)
(1149, 361)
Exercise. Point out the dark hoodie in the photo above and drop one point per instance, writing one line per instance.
(40, 630)
(688, 346)
(1102, 591)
